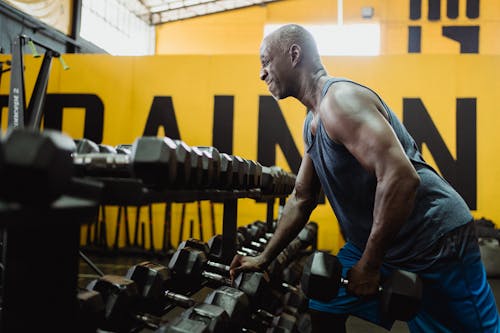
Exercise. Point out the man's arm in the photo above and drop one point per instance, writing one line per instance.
(354, 117)
(295, 215)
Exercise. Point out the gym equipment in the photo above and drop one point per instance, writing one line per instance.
(121, 299)
(220, 307)
(212, 174)
(184, 325)
(91, 310)
(188, 264)
(401, 293)
(37, 166)
(161, 163)
(86, 146)
(19, 115)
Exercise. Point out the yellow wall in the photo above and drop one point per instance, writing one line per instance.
(127, 85)
(217, 55)
(240, 31)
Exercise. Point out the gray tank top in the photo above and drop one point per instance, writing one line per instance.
(350, 189)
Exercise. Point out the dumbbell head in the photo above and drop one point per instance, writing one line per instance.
(154, 161)
(214, 316)
(213, 156)
(321, 276)
(106, 149)
(186, 265)
(226, 172)
(90, 310)
(184, 325)
(255, 174)
(37, 166)
(86, 146)
(120, 295)
(240, 172)
(183, 157)
(123, 149)
(234, 301)
(401, 295)
(151, 279)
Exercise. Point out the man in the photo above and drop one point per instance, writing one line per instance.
(394, 209)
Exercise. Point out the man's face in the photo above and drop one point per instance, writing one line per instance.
(274, 68)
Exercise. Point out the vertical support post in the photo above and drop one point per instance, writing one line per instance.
(17, 99)
(28, 252)
(229, 223)
(34, 111)
(270, 215)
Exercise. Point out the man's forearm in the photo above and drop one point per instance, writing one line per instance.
(393, 204)
(295, 215)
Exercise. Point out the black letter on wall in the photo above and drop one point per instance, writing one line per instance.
(462, 172)
(222, 133)
(94, 113)
(162, 114)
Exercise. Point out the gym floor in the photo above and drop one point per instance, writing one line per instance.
(119, 265)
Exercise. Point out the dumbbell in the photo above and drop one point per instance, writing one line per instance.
(222, 307)
(401, 293)
(188, 262)
(125, 149)
(226, 172)
(130, 300)
(189, 270)
(121, 299)
(254, 175)
(102, 164)
(161, 163)
(36, 167)
(91, 310)
(211, 179)
(86, 146)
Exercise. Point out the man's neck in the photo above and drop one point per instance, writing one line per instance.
(310, 92)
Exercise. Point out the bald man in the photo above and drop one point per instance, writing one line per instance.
(395, 210)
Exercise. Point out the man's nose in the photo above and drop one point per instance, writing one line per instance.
(263, 74)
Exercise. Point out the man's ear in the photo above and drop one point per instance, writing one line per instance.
(295, 53)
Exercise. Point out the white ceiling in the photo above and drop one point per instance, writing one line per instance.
(161, 11)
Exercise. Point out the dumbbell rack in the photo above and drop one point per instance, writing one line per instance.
(128, 191)
(40, 258)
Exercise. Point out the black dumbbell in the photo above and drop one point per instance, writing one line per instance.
(401, 293)
(91, 309)
(161, 163)
(153, 282)
(189, 270)
(102, 164)
(121, 299)
(125, 149)
(254, 175)
(37, 167)
(86, 146)
(214, 159)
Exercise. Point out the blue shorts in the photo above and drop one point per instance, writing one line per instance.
(456, 293)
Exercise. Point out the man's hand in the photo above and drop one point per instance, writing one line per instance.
(244, 263)
(363, 281)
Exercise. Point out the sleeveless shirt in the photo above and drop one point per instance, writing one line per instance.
(350, 190)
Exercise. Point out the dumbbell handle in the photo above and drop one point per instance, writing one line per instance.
(216, 277)
(218, 266)
(221, 279)
(345, 282)
(184, 301)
